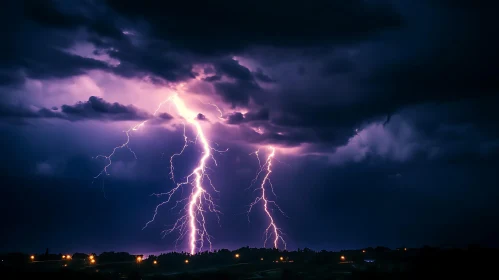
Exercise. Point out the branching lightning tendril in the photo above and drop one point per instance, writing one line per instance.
(109, 157)
(272, 231)
(192, 222)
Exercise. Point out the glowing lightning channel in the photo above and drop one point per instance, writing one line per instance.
(221, 116)
(272, 230)
(124, 145)
(192, 222)
(109, 157)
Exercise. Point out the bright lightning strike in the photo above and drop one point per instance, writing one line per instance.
(272, 231)
(192, 222)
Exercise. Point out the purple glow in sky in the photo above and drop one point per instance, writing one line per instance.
(382, 115)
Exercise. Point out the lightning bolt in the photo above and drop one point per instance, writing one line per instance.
(109, 157)
(192, 222)
(272, 231)
(221, 114)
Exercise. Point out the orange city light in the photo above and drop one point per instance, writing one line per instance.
(139, 259)
(342, 258)
(363, 251)
(91, 257)
(186, 261)
(92, 261)
(32, 257)
(155, 262)
(237, 255)
(68, 257)
(63, 256)
(261, 259)
(281, 258)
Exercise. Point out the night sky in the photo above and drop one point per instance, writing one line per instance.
(383, 115)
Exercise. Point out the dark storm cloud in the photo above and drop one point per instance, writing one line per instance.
(459, 61)
(20, 111)
(243, 88)
(213, 78)
(230, 27)
(374, 81)
(165, 116)
(264, 133)
(235, 118)
(251, 116)
(358, 62)
(98, 108)
(237, 93)
(95, 108)
(38, 33)
(232, 69)
(153, 59)
(37, 55)
(79, 14)
(339, 65)
(259, 75)
(45, 13)
(201, 117)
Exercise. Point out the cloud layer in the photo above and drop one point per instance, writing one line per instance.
(95, 108)
(284, 74)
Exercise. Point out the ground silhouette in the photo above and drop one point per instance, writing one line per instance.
(252, 263)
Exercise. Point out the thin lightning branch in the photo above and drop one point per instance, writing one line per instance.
(272, 230)
(109, 157)
(172, 176)
(192, 223)
(216, 108)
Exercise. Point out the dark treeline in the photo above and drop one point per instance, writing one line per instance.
(216, 257)
(367, 263)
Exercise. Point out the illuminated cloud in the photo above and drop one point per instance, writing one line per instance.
(95, 108)
(398, 144)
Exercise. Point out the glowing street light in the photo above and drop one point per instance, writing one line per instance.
(237, 256)
(68, 257)
(63, 256)
(186, 261)
(363, 251)
(139, 259)
(32, 257)
(155, 262)
(342, 258)
(405, 249)
(261, 259)
(281, 258)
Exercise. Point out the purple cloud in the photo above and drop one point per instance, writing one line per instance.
(95, 108)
